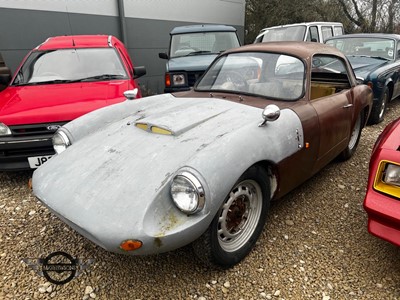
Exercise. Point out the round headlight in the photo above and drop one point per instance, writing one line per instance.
(60, 142)
(187, 193)
(4, 130)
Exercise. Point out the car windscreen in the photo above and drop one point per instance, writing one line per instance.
(66, 65)
(269, 75)
(290, 33)
(202, 43)
(365, 46)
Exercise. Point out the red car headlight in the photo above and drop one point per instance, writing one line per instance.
(387, 179)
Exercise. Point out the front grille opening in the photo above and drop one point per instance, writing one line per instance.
(35, 129)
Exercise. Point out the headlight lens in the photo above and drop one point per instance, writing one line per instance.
(187, 193)
(392, 175)
(4, 130)
(178, 79)
(387, 179)
(60, 141)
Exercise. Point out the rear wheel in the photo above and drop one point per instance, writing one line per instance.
(238, 223)
(378, 110)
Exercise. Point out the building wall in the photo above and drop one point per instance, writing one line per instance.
(144, 29)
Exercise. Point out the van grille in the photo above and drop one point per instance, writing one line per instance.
(193, 77)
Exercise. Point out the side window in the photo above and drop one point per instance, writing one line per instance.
(312, 35)
(338, 30)
(398, 52)
(327, 32)
(329, 75)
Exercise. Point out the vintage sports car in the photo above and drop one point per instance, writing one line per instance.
(382, 200)
(154, 174)
(375, 58)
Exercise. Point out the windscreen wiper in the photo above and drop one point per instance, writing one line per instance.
(55, 81)
(198, 52)
(100, 77)
(369, 56)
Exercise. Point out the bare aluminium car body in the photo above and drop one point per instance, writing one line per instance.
(113, 184)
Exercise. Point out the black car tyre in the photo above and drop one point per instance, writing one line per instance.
(378, 111)
(354, 139)
(238, 223)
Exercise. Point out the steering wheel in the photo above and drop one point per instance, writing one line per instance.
(237, 79)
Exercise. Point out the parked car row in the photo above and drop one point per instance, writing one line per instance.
(200, 166)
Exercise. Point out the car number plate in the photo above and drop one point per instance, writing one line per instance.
(37, 161)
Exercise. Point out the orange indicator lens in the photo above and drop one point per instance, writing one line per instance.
(131, 245)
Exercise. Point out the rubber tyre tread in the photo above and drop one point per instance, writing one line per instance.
(374, 117)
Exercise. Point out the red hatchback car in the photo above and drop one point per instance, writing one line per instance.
(58, 81)
(382, 200)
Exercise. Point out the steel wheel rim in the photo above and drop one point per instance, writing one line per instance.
(383, 105)
(239, 216)
(355, 133)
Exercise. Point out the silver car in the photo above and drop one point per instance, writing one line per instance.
(154, 174)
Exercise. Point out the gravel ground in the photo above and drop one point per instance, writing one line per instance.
(315, 246)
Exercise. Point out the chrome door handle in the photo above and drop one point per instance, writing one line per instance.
(348, 106)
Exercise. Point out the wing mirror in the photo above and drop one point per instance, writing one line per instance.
(270, 114)
(139, 71)
(5, 79)
(131, 94)
(163, 55)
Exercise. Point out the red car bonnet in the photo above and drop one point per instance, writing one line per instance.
(58, 102)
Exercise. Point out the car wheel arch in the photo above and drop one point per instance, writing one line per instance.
(208, 247)
(273, 175)
(379, 107)
(390, 86)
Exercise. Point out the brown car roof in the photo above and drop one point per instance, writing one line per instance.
(301, 49)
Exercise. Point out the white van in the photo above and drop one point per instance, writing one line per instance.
(309, 32)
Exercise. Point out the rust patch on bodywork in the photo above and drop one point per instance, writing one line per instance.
(167, 223)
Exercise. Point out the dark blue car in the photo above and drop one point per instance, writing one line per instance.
(375, 58)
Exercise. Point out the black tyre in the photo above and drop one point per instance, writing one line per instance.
(238, 223)
(354, 139)
(378, 110)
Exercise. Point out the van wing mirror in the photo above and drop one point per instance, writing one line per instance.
(163, 55)
(5, 79)
(139, 71)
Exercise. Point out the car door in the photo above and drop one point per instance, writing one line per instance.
(333, 106)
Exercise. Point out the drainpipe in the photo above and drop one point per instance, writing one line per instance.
(122, 23)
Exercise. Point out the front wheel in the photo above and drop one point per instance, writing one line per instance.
(238, 223)
(378, 110)
(354, 139)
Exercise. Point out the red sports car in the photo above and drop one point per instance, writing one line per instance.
(382, 201)
(63, 78)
